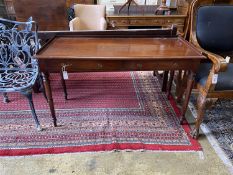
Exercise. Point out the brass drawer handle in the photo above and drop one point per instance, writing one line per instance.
(65, 65)
(99, 66)
(113, 24)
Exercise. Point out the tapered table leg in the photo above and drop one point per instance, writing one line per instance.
(64, 86)
(48, 92)
(170, 83)
(165, 78)
(36, 87)
(187, 95)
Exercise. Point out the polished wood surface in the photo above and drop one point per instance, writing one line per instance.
(83, 54)
(118, 48)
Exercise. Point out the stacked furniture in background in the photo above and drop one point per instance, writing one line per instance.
(50, 15)
(55, 13)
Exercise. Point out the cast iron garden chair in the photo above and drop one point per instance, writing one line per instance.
(18, 67)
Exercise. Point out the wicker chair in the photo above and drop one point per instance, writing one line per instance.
(18, 67)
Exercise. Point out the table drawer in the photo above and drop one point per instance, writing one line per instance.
(146, 22)
(114, 65)
(177, 21)
(119, 22)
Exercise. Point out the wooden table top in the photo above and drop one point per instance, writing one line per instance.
(93, 48)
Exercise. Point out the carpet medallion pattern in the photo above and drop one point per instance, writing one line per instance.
(105, 111)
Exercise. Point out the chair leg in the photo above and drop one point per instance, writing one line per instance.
(28, 94)
(5, 98)
(178, 80)
(63, 82)
(164, 84)
(154, 73)
(201, 103)
(181, 88)
(36, 87)
(42, 89)
(170, 83)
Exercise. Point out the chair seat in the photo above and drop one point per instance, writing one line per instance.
(225, 79)
(17, 80)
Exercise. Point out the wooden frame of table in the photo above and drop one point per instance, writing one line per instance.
(127, 50)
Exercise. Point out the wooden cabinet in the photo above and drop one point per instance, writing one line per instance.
(49, 16)
(146, 21)
(125, 21)
(7, 9)
(115, 21)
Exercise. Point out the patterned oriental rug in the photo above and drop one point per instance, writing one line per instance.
(105, 112)
(219, 121)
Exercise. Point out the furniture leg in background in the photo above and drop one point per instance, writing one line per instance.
(180, 85)
(170, 83)
(5, 98)
(28, 94)
(162, 79)
(63, 85)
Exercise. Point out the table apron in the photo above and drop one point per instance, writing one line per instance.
(56, 65)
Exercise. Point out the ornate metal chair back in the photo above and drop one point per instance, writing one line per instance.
(18, 44)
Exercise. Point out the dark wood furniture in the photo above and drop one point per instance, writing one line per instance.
(140, 20)
(212, 35)
(53, 16)
(69, 3)
(181, 77)
(50, 15)
(7, 9)
(124, 21)
(117, 51)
